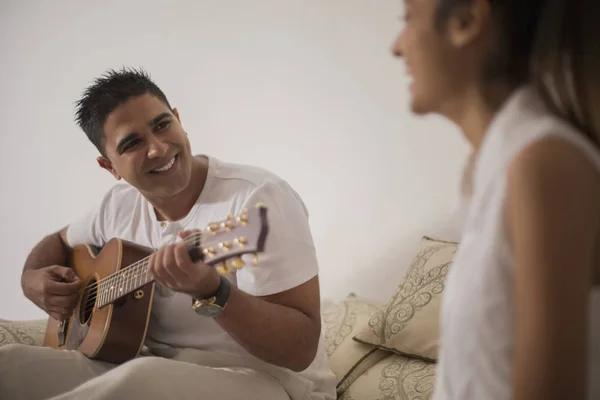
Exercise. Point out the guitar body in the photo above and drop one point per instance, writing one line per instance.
(112, 314)
(116, 332)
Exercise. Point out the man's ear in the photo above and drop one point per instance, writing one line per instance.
(468, 22)
(176, 114)
(105, 163)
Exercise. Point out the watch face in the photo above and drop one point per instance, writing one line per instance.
(209, 310)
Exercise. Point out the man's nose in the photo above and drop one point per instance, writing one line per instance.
(157, 148)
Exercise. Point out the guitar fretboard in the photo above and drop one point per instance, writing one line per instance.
(222, 241)
(130, 278)
(124, 282)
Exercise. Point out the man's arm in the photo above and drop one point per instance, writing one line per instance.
(274, 312)
(51, 250)
(552, 218)
(46, 281)
(282, 329)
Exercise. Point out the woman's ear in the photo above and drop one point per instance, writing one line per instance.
(468, 22)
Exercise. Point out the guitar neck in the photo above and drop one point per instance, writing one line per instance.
(229, 239)
(124, 282)
(136, 275)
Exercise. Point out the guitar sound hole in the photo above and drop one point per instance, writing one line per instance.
(88, 302)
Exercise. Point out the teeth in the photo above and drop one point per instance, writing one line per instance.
(166, 167)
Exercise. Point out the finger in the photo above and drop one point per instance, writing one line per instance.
(62, 288)
(64, 313)
(64, 301)
(57, 316)
(171, 266)
(168, 258)
(67, 274)
(184, 234)
(160, 273)
(183, 260)
(150, 264)
(154, 265)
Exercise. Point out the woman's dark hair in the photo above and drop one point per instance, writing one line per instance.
(552, 44)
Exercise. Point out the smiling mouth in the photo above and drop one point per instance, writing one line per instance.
(166, 167)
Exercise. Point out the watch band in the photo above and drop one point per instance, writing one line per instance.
(222, 294)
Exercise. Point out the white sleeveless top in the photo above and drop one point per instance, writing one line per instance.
(475, 360)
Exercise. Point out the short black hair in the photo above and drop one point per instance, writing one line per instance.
(106, 93)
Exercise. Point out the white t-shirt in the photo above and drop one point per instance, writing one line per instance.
(477, 322)
(289, 260)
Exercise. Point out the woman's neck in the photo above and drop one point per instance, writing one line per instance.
(475, 109)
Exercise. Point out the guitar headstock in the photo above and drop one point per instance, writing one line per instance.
(223, 243)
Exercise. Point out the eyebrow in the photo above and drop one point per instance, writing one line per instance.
(159, 118)
(123, 142)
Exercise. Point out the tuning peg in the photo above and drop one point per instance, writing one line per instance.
(241, 241)
(223, 268)
(210, 252)
(238, 263)
(255, 259)
(225, 246)
(213, 228)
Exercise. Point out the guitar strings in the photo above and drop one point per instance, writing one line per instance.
(92, 294)
(125, 276)
(143, 261)
(128, 275)
(138, 267)
(111, 296)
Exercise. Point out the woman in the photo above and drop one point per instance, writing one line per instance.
(521, 80)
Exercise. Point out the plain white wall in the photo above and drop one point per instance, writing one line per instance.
(305, 88)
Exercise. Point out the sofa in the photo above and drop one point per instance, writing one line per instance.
(377, 350)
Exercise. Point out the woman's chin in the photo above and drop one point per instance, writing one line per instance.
(418, 107)
(420, 103)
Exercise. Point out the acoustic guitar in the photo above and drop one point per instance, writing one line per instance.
(111, 318)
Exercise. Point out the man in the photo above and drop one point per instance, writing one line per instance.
(265, 344)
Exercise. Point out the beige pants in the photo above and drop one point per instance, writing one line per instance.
(31, 372)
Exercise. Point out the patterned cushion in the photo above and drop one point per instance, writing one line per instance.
(394, 378)
(348, 359)
(24, 332)
(409, 323)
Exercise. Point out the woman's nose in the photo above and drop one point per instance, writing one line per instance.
(397, 46)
